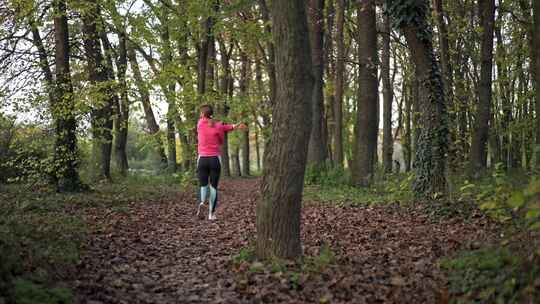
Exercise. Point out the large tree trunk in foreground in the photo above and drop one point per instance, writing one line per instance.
(430, 159)
(536, 69)
(478, 156)
(317, 142)
(340, 70)
(278, 211)
(102, 98)
(366, 127)
(63, 109)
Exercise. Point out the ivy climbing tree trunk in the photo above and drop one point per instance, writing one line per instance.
(340, 70)
(102, 99)
(63, 109)
(388, 95)
(317, 142)
(366, 127)
(430, 159)
(278, 211)
(478, 156)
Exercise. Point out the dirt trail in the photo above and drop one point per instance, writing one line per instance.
(159, 252)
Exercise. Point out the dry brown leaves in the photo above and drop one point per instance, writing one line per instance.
(159, 252)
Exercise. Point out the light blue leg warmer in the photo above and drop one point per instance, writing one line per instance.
(213, 198)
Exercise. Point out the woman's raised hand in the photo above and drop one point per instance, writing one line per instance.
(241, 126)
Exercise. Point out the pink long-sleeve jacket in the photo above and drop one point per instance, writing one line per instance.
(211, 137)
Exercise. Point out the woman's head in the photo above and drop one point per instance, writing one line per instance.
(206, 111)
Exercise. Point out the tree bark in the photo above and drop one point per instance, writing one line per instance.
(535, 41)
(366, 128)
(63, 109)
(340, 70)
(430, 159)
(152, 125)
(278, 212)
(388, 95)
(101, 113)
(244, 137)
(121, 105)
(169, 88)
(407, 137)
(317, 142)
(270, 49)
(478, 156)
(224, 88)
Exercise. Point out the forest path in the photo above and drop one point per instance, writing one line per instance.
(160, 252)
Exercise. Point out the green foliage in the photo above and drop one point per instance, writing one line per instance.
(493, 275)
(326, 176)
(28, 292)
(333, 186)
(506, 197)
(246, 254)
(25, 153)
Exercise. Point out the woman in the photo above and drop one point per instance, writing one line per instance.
(211, 135)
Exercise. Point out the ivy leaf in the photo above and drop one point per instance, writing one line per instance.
(516, 200)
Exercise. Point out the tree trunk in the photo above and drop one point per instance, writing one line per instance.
(224, 88)
(244, 137)
(478, 157)
(278, 212)
(63, 110)
(123, 113)
(236, 160)
(447, 75)
(258, 150)
(366, 128)
(317, 142)
(121, 105)
(536, 74)
(503, 88)
(152, 125)
(340, 70)
(407, 138)
(102, 100)
(388, 95)
(169, 88)
(430, 160)
(270, 49)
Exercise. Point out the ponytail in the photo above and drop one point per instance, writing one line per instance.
(208, 112)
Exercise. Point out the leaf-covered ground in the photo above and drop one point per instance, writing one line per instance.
(160, 252)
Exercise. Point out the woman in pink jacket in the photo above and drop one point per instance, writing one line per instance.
(211, 135)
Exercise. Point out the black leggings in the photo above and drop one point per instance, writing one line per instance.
(209, 168)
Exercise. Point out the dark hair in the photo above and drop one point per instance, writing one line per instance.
(208, 112)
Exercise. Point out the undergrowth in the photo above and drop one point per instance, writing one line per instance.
(41, 231)
(507, 271)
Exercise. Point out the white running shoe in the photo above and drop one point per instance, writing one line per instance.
(211, 215)
(199, 208)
